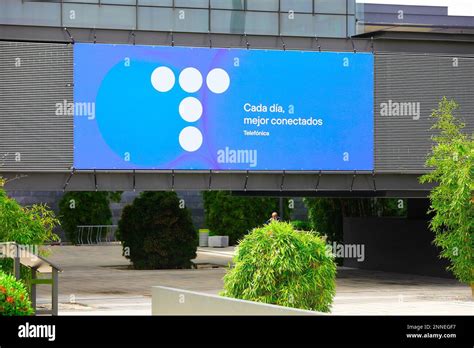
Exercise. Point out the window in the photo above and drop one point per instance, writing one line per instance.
(240, 22)
(325, 18)
(168, 19)
(32, 13)
(297, 6)
(330, 6)
(104, 16)
(330, 26)
(297, 24)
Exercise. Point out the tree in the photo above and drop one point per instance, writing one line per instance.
(156, 233)
(452, 160)
(85, 208)
(235, 216)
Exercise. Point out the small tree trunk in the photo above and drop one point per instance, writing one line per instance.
(472, 290)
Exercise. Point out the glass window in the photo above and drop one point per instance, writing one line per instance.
(330, 26)
(351, 7)
(262, 5)
(32, 13)
(83, 1)
(228, 4)
(240, 22)
(192, 3)
(261, 23)
(297, 5)
(105, 16)
(228, 16)
(191, 20)
(330, 6)
(168, 19)
(297, 25)
(156, 2)
(229, 22)
(317, 25)
(118, 2)
(155, 18)
(351, 25)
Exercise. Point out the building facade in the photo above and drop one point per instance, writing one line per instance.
(309, 18)
(421, 54)
(413, 69)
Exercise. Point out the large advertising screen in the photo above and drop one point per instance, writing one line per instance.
(147, 107)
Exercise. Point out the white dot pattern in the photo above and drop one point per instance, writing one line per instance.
(190, 108)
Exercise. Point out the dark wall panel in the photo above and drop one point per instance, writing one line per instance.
(402, 141)
(394, 245)
(34, 77)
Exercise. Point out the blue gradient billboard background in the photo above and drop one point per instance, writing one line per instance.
(145, 107)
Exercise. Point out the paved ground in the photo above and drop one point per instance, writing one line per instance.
(98, 280)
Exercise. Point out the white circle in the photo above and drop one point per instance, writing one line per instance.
(190, 139)
(218, 80)
(190, 109)
(162, 79)
(190, 80)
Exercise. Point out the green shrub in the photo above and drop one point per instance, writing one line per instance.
(25, 225)
(156, 233)
(14, 299)
(325, 215)
(301, 225)
(235, 216)
(85, 208)
(6, 265)
(278, 265)
(452, 198)
(31, 226)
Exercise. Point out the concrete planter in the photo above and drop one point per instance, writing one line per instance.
(203, 238)
(219, 241)
(170, 301)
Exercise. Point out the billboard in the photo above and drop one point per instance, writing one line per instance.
(147, 107)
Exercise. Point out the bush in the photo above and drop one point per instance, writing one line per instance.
(85, 208)
(6, 265)
(301, 225)
(25, 225)
(325, 215)
(278, 265)
(14, 299)
(156, 233)
(452, 198)
(234, 216)
(31, 226)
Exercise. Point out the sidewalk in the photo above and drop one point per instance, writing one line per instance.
(97, 280)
